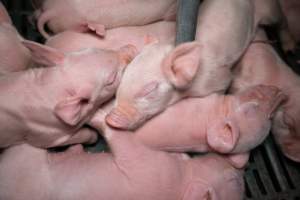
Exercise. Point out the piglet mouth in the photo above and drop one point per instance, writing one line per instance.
(121, 118)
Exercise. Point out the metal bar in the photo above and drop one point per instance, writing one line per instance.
(186, 20)
(270, 150)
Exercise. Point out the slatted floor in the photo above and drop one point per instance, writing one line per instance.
(269, 175)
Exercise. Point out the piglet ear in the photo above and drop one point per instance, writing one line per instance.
(44, 55)
(128, 53)
(99, 29)
(223, 136)
(198, 190)
(71, 110)
(181, 65)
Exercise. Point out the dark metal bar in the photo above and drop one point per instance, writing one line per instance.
(186, 20)
(270, 150)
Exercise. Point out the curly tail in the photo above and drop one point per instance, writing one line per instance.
(42, 21)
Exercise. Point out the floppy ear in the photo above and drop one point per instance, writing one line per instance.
(73, 110)
(181, 65)
(198, 190)
(44, 55)
(99, 29)
(223, 136)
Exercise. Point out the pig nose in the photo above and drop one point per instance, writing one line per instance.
(120, 118)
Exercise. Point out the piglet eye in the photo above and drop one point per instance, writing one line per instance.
(147, 89)
(111, 78)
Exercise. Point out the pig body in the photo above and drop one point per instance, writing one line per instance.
(98, 15)
(58, 100)
(14, 56)
(196, 69)
(138, 36)
(232, 124)
(133, 170)
(262, 65)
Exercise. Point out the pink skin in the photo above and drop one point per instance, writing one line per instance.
(138, 36)
(232, 124)
(163, 75)
(132, 171)
(291, 9)
(60, 99)
(262, 65)
(14, 56)
(99, 15)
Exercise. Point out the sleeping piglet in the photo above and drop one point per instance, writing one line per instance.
(14, 56)
(162, 74)
(139, 36)
(131, 171)
(232, 124)
(47, 107)
(262, 65)
(98, 15)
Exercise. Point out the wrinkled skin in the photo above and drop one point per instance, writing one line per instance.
(163, 75)
(139, 36)
(59, 99)
(14, 56)
(132, 171)
(262, 65)
(99, 15)
(232, 124)
(291, 9)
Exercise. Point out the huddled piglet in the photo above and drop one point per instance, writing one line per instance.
(232, 124)
(48, 106)
(139, 36)
(162, 74)
(262, 65)
(14, 56)
(131, 171)
(99, 15)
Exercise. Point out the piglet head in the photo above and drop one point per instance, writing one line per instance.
(91, 77)
(150, 84)
(248, 120)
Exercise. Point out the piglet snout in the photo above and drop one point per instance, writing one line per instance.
(121, 118)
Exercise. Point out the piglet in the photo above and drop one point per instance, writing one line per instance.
(162, 74)
(231, 124)
(262, 65)
(131, 171)
(48, 107)
(99, 15)
(139, 36)
(14, 56)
